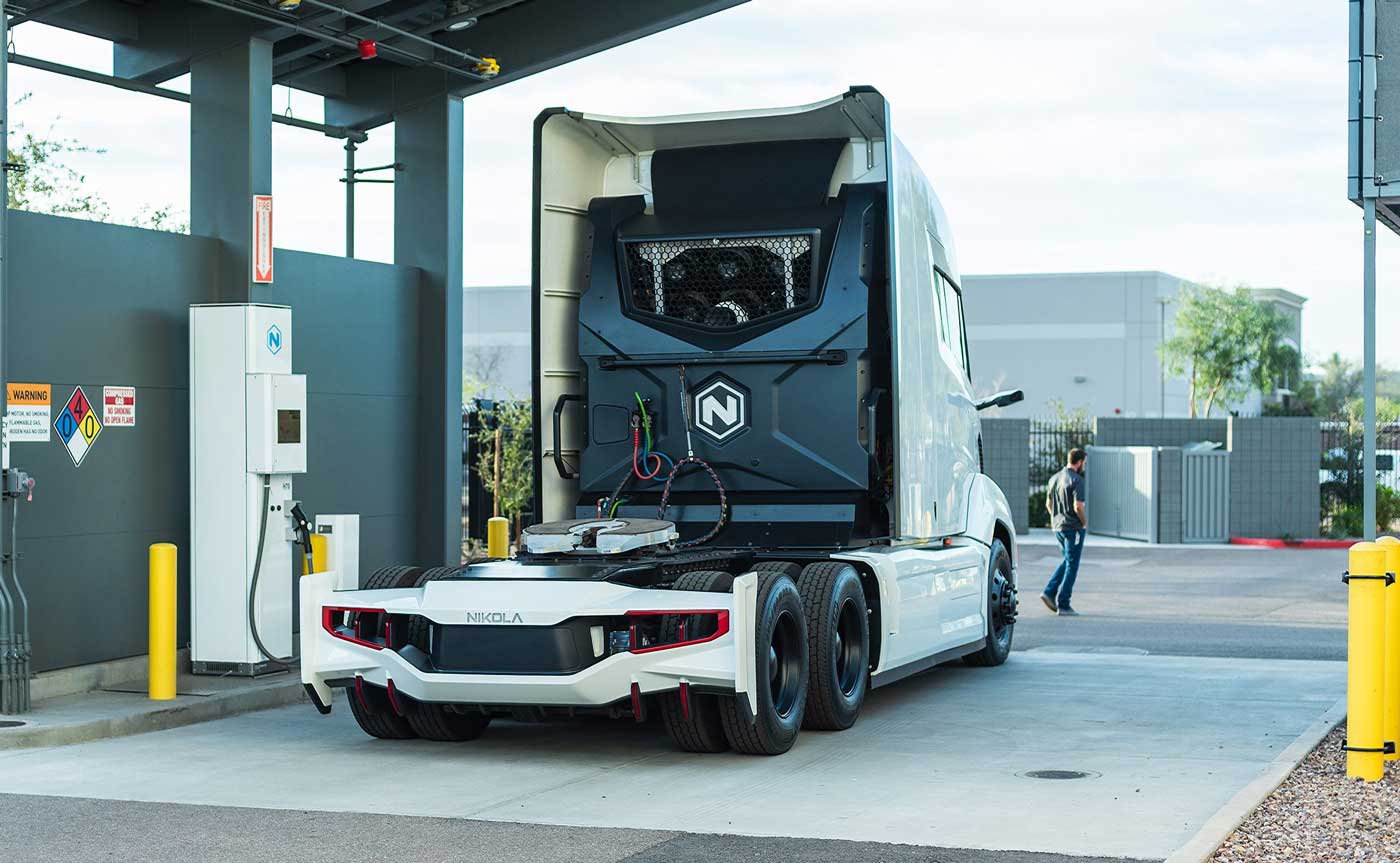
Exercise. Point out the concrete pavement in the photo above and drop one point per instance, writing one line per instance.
(1186, 601)
(163, 833)
(939, 761)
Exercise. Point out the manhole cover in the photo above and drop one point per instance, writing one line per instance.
(1059, 774)
(11, 723)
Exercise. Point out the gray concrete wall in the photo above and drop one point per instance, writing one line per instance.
(1149, 431)
(99, 305)
(1006, 448)
(1274, 464)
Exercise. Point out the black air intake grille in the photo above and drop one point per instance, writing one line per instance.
(721, 283)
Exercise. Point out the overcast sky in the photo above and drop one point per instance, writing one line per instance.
(1201, 138)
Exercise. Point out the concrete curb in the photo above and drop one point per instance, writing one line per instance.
(1200, 848)
(184, 711)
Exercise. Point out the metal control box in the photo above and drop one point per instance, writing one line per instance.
(247, 439)
(276, 423)
(342, 533)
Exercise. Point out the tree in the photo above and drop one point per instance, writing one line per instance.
(507, 428)
(1227, 342)
(43, 182)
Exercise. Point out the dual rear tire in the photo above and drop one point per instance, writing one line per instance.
(811, 665)
(371, 706)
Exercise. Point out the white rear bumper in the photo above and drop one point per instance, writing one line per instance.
(726, 663)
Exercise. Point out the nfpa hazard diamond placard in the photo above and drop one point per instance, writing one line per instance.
(78, 426)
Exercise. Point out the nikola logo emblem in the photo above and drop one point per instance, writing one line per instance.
(274, 339)
(721, 409)
(494, 617)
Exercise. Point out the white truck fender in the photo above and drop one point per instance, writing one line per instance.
(745, 636)
(986, 506)
(315, 589)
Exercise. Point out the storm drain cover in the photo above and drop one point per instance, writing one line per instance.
(1059, 774)
(11, 723)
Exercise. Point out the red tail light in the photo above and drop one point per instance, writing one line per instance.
(355, 635)
(721, 628)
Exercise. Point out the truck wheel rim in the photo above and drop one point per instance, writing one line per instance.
(1003, 608)
(847, 653)
(784, 664)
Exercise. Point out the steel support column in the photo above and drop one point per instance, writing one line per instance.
(428, 142)
(1368, 348)
(231, 157)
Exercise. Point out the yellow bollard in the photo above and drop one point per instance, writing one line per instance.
(161, 661)
(498, 537)
(319, 555)
(1390, 689)
(1367, 580)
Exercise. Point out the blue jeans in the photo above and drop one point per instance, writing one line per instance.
(1062, 582)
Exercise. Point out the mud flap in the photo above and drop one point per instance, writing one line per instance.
(315, 590)
(745, 635)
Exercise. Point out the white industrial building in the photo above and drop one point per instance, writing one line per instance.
(1088, 340)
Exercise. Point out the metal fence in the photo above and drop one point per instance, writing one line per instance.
(1050, 441)
(1205, 496)
(1122, 488)
(1342, 475)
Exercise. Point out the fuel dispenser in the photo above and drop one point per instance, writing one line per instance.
(247, 442)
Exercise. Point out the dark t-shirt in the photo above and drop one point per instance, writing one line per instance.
(1063, 490)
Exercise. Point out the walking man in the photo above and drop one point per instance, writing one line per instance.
(1064, 500)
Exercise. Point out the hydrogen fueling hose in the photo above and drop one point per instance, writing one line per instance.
(286, 661)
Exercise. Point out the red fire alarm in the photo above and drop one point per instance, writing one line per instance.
(368, 50)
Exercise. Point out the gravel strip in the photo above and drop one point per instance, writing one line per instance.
(1318, 815)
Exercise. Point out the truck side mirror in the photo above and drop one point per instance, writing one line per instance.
(1001, 399)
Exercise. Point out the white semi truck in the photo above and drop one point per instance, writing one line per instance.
(758, 459)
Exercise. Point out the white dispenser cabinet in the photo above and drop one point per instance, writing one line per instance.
(247, 434)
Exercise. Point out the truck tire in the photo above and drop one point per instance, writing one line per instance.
(786, 567)
(838, 644)
(393, 576)
(1001, 610)
(418, 625)
(781, 678)
(703, 730)
(376, 717)
(441, 722)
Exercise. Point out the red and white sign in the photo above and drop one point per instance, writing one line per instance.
(119, 406)
(262, 239)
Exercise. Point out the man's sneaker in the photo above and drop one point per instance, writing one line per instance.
(1067, 612)
(1049, 603)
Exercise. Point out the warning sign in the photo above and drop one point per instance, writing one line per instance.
(119, 406)
(78, 426)
(262, 239)
(29, 409)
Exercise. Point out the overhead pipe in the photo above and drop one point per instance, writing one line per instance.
(426, 29)
(331, 37)
(42, 10)
(175, 95)
(398, 31)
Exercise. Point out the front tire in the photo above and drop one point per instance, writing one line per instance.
(780, 681)
(1001, 610)
(703, 729)
(838, 644)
